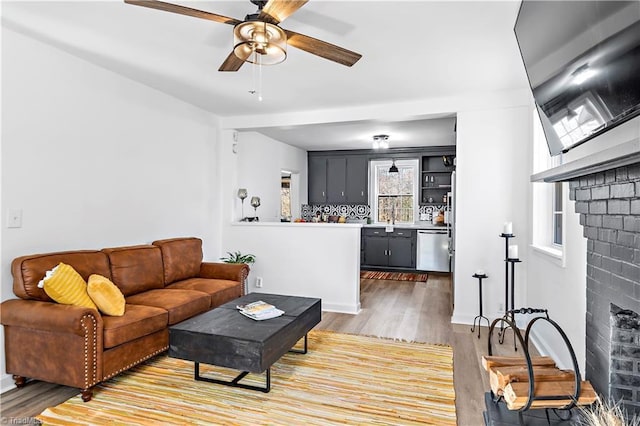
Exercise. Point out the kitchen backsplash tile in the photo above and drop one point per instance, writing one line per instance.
(353, 211)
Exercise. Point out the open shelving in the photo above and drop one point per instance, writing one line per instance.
(435, 180)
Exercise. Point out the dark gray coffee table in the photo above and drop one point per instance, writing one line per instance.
(226, 338)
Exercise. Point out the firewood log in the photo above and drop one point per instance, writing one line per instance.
(516, 394)
(493, 361)
(499, 377)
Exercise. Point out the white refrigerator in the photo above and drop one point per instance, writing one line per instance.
(451, 228)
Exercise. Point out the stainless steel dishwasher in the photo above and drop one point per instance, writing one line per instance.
(433, 250)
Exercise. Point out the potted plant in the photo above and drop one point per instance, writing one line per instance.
(237, 257)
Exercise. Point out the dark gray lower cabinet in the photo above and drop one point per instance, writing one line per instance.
(375, 251)
(395, 249)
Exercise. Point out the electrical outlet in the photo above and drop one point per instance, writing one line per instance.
(259, 282)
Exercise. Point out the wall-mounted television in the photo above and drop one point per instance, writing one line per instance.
(583, 64)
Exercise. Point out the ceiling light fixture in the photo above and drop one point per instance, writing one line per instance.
(393, 168)
(380, 141)
(260, 42)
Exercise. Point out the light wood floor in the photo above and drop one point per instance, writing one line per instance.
(414, 311)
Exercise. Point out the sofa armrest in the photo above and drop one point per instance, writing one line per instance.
(54, 343)
(48, 316)
(225, 271)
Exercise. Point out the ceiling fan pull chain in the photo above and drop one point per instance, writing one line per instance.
(260, 78)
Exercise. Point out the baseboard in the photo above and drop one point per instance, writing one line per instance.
(462, 319)
(546, 349)
(341, 308)
(6, 384)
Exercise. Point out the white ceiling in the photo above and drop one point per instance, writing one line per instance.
(412, 50)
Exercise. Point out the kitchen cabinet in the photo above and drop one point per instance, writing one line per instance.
(338, 179)
(357, 179)
(395, 249)
(317, 176)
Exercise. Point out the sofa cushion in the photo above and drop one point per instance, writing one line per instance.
(136, 269)
(28, 270)
(137, 321)
(181, 258)
(221, 291)
(64, 285)
(181, 304)
(106, 295)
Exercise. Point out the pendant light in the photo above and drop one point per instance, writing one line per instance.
(393, 168)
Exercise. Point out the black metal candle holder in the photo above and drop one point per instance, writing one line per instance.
(509, 289)
(480, 317)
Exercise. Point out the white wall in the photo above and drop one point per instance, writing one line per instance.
(492, 187)
(561, 287)
(259, 161)
(313, 260)
(95, 160)
(303, 259)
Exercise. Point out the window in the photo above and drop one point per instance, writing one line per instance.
(558, 208)
(285, 197)
(548, 201)
(394, 195)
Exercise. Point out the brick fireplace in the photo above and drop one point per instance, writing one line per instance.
(609, 206)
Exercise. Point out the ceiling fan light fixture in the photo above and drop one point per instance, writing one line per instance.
(255, 41)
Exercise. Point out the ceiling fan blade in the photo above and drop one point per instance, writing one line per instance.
(276, 11)
(322, 48)
(232, 63)
(183, 10)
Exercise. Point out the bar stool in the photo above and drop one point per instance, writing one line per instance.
(480, 317)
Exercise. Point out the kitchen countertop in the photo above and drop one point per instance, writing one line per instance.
(299, 224)
(416, 225)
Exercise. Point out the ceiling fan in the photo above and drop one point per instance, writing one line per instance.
(259, 38)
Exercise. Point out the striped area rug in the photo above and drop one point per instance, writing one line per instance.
(395, 276)
(343, 379)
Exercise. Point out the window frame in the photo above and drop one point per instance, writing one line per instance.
(373, 184)
(544, 215)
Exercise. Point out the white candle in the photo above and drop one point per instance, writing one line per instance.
(480, 272)
(507, 229)
(513, 252)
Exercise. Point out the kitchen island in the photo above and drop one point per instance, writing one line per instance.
(303, 259)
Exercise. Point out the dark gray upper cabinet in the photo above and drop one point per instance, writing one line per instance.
(342, 177)
(336, 180)
(317, 171)
(357, 179)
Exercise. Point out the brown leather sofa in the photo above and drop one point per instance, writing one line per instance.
(163, 283)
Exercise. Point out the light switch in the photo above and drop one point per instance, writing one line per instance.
(14, 218)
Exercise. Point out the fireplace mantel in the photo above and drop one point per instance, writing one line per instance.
(617, 156)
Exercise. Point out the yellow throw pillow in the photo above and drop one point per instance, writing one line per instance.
(65, 285)
(106, 295)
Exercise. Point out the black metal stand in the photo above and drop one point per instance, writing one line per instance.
(498, 415)
(480, 317)
(235, 382)
(506, 282)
